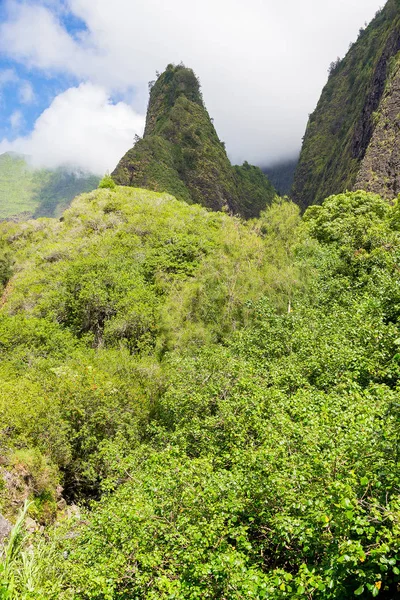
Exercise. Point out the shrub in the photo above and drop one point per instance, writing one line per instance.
(107, 182)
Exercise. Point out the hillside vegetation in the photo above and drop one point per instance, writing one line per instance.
(340, 130)
(181, 153)
(220, 397)
(26, 192)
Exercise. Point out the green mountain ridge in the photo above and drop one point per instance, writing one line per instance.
(26, 192)
(336, 153)
(181, 153)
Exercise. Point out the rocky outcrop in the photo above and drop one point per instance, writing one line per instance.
(181, 153)
(364, 128)
(380, 168)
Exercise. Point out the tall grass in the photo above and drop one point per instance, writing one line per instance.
(9, 555)
(22, 569)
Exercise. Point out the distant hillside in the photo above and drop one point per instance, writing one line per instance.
(351, 139)
(181, 153)
(281, 175)
(26, 192)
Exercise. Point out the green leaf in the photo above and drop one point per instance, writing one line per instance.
(359, 591)
(375, 591)
(360, 530)
(301, 590)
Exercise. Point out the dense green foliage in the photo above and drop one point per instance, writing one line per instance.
(340, 129)
(225, 394)
(181, 153)
(107, 182)
(126, 275)
(26, 192)
(253, 188)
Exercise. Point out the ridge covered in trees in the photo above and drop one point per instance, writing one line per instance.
(347, 144)
(26, 192)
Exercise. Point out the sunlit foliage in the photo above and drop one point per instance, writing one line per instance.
(225, 394)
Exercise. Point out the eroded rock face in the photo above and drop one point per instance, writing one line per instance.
(365, 127)
(380, 169)
(5, 529)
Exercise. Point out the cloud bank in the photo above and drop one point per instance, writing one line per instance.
(81, 128)
(262, 63)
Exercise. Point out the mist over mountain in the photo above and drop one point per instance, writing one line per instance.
(281, 174)
(26, 192)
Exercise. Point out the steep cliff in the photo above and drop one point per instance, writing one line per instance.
(380, 168)
(181, 153)
(341, 128)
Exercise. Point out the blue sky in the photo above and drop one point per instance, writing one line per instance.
(15, 76)
(74, 73)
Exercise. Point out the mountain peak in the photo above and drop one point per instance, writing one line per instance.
(182, 154)
(177, 81)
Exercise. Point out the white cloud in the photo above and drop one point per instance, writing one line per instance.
(34, 36)
(16, 119)
(7, 76)
(81, 128)
(262, 63)
(26, 93)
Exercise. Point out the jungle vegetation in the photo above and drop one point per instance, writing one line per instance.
(198, 406)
